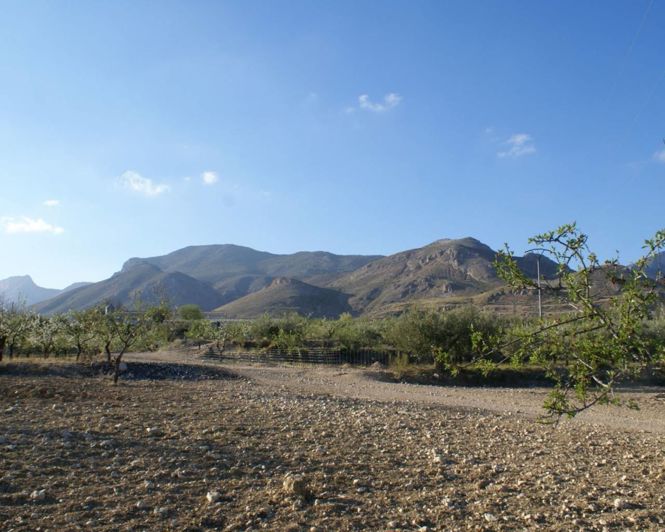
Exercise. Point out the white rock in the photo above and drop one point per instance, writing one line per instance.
(213, 496)
(38, 495)
(620, 504)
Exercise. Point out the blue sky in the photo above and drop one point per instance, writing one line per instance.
(352, 127)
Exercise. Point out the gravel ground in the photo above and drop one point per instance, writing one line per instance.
(194, 447)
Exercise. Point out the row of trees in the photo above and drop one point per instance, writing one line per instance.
(87, 333)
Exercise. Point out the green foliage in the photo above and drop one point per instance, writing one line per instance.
(604, 340)
(200, 331)
(190, 312)
(446, 337)
(400, 364)
(353, 334)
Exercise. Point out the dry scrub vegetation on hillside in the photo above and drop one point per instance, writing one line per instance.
(197, 448)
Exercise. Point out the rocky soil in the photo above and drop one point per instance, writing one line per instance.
(191, 447)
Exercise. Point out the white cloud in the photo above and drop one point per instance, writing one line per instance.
(209, 177)
(390, 101)
(660, 156)
(518, 144)
(24, 224)
(135, 182)
(52, 203)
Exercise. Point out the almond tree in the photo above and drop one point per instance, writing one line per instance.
(46, 333)
(81, 329)
(15, 325)
(602, 341)
(20, 324)
(4, 327)
(125, 329)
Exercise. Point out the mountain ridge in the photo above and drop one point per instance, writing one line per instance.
(21, 289)
(239, 281)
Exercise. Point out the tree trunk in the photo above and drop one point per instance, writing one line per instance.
(11, 350)
(107, 349)
(116, 369)
(78, 351)
(2, 347)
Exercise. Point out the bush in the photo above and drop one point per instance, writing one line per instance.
(190, 312)
(444, 337)
(353, 334)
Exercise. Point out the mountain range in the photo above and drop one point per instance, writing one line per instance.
(240, 282)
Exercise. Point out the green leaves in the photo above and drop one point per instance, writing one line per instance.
(603, 340)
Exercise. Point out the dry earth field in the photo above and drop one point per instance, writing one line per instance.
(182, 445)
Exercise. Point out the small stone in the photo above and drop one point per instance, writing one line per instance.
(154, 432)
(38, 495)
(295, 485)
(213, 496)
(490, 518)
(620, 504)
(140, 505)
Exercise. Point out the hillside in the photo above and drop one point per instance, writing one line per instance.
(217, 263)
(244, 282)
(440, 270)
(285, 295)
(145, 281)
(23, 290)
(208, 276)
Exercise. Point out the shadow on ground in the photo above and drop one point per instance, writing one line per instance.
(135, 371)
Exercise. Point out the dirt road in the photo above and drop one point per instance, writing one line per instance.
(361, 383)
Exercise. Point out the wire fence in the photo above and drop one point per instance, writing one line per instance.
(312, 355)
